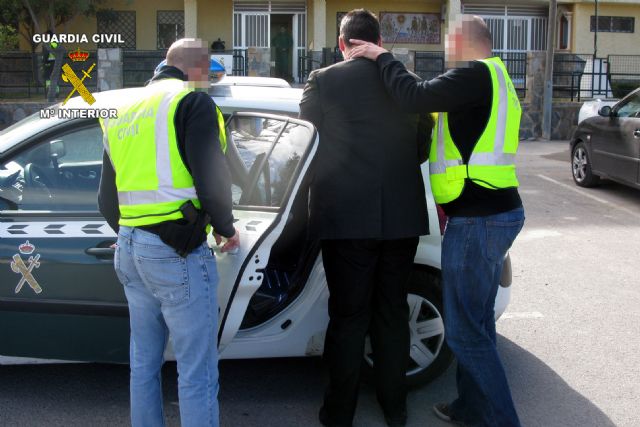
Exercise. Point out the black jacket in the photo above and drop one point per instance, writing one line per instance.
(196, 126)
(466, 94)
(366, 181)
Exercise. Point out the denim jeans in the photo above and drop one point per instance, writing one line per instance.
(168, 294)
(473, 249)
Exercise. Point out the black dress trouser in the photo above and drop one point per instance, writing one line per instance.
(367, 282)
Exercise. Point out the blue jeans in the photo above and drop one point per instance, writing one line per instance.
(473, 249)
(170, 294)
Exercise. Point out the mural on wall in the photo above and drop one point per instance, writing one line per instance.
(410, 28)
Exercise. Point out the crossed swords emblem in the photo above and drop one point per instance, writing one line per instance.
(18, 266)
(69, 76)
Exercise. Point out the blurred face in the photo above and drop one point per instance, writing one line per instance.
(196, 63)
(458, 44)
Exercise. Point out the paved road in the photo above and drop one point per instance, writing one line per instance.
(569, 340)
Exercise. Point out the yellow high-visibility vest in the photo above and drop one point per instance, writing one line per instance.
(151, 178)
(52, 56)
(492, 161)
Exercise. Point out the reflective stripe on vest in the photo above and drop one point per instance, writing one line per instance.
(491, 164)
(149, 192)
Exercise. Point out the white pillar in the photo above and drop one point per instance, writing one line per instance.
(454, 10)
(191, 18)
(319, 24)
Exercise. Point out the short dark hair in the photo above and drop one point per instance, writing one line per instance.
(478, 30)
(360, 24)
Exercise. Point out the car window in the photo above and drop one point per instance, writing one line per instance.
(631, 107)
(268, 152)
(23, 129)
(59, 173)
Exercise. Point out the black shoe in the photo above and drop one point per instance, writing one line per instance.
(326, 419)
(395, 417)
(443, 411)
(323, 417)
(399, 420)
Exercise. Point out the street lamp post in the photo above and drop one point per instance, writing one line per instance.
(548, 72)
(595, 34)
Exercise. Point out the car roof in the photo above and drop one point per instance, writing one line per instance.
(251, 98)
(252, 81)
(230, 98)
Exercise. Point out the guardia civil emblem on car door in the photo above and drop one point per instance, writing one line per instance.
(25, 269)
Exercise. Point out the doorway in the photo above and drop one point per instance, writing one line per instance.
(282, 46)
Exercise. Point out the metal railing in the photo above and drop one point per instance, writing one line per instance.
(240, 67)
(516, 63)
(428, 65)
(579, 76)
(19, 73)
(623, 72)
(306, 64)
(568, 69)
(138, 66)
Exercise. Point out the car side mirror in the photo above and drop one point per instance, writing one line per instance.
(57, 149)
(605, 111)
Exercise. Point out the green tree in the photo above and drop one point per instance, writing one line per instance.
(8, 37)
(38, 16)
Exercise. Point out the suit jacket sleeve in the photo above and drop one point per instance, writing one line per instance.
(425, 128)
(310, 106)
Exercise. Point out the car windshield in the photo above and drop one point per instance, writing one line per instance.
(21, 130)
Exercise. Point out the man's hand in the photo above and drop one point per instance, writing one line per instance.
(232, 243)
(365, 49)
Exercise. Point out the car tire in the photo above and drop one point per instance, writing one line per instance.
(429, 354)
(581, 167)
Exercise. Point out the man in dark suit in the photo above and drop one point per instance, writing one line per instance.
(367, 207)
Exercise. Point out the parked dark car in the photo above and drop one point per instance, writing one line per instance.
(608, 145)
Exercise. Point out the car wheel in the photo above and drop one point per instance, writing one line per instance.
(429, 355)
(581, 167)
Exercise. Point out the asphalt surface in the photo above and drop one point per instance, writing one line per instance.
(569, 338)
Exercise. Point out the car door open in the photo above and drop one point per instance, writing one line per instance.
(269, 157)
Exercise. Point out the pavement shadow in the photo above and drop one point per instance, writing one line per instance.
(562, 156)
(271, 392)
(542, 397)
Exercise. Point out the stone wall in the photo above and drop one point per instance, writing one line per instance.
(564, 116)
(564, 119)
(11, 112)
(109, 69)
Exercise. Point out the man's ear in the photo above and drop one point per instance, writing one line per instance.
(341, 45)
(380, 41)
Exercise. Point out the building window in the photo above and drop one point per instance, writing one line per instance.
(514, 28)
(118, 22)
(170, 27)
(564, 33)
(613, 24)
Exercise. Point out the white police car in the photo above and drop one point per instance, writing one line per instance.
(59, 295)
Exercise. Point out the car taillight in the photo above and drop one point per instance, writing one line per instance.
(442, 219)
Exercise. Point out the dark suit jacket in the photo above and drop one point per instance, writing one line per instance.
(366, 181)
